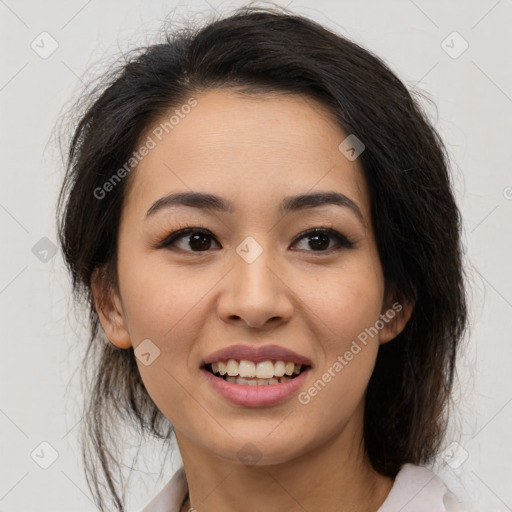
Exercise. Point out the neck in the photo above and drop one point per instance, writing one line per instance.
(334, 476)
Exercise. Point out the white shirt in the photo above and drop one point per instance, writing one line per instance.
(416, 489)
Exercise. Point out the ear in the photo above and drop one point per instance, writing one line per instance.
(110, 310)
(395, 314)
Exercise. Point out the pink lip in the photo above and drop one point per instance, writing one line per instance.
(257, 354)
(255, 396)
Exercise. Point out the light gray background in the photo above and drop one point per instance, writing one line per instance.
(40, 392)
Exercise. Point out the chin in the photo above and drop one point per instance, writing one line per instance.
(262, 451)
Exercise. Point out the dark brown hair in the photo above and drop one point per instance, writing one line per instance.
(415, 218)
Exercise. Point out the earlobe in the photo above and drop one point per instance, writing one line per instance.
(394, 317)
(110, 311)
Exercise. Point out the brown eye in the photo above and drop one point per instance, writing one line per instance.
(320, 239)
(190, 240)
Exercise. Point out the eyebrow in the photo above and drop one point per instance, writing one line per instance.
(206, 201)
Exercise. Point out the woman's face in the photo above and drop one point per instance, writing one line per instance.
(251, 277)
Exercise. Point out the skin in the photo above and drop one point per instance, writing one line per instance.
(255, 150)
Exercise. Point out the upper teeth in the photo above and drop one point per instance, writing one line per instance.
(262, 370)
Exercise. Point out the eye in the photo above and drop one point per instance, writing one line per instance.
(191, 239)
(320, 239)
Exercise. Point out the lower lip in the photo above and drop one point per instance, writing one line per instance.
(255, 396)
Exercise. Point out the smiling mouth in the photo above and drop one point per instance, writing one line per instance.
(248, 373)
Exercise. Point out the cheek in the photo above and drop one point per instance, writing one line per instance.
(160, 306)
(344, 315)
(342, 303)
(158, 300)
(343, 310)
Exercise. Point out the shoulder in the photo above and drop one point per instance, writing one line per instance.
(170, 498)
(418, 489)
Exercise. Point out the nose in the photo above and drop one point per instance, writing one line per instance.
(255, 293)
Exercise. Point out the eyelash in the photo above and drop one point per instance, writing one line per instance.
(343, 241)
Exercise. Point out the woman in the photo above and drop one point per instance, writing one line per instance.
(261, 220)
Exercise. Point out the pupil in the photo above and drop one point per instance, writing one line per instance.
(195, 238)
(322, 245)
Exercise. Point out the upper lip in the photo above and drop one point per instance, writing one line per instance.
(256, 354)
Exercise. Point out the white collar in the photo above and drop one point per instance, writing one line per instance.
(417, 489)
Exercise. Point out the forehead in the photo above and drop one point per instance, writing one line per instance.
(255, 149)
